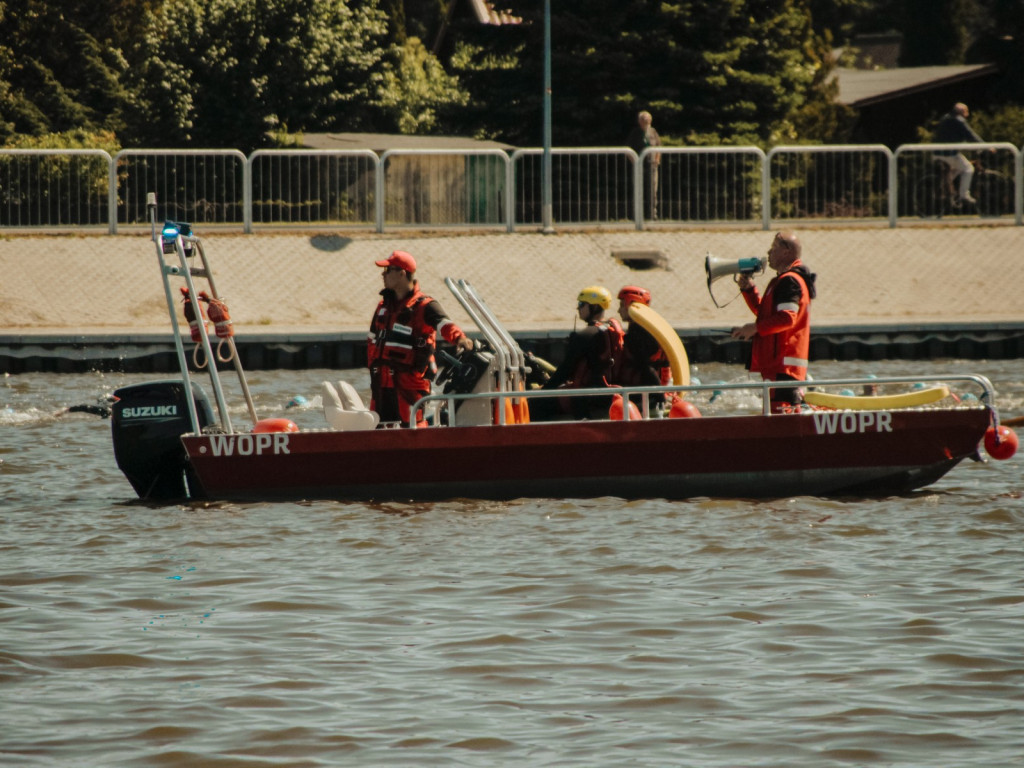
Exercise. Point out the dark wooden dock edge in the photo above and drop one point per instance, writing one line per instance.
(300, 351)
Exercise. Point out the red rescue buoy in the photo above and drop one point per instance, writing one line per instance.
(219, 315)
(615, 411)
(683, 409)
(190, 315)
(275, 425)
(1000, 443)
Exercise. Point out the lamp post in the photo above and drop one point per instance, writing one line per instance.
(545, 200)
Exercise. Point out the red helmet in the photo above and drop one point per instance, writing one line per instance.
(631, 293)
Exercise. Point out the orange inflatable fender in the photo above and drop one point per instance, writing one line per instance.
(275, 425)
(615, 412)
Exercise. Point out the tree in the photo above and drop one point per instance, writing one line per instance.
(55, 75)
(843, 19)
(936, 32)
(1001, 40)
(727, 70)
(415, 86)
(222, 73)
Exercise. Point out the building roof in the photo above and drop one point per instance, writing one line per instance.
(864, 87)
(380, 142)
(487, 14)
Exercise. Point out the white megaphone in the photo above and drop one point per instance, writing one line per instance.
(716, 268)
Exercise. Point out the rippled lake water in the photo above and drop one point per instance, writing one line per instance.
(539, 632)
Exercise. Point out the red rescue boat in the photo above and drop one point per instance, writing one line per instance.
(481, 444)
(818, 453)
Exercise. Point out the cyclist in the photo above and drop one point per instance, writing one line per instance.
(953, 129)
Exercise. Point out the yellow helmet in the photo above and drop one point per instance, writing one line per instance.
(595, 294)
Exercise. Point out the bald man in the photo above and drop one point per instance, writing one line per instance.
(781, 334)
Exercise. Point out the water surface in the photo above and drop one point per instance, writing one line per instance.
(538, 632)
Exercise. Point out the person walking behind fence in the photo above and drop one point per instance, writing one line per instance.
(953, 129)
(640, 138)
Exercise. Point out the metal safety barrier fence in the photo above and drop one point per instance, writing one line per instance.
(204, 186)
(63, 189)
(700, 185)
(54, 188)
(313, 187)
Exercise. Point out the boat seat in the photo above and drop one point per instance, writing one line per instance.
(344, 409)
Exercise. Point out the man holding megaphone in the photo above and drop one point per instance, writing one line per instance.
(781, 334)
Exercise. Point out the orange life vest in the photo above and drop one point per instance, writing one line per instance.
(593, 371)
(402, 342)
(783, 339)
(640, 367)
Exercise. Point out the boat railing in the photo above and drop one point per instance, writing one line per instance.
(493, 338)
(511, 359)
(517, 358)
(762, 388)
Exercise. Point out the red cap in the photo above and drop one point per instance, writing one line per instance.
(399, 259)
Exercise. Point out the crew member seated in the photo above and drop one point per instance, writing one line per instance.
(642, 363)
(589, 359)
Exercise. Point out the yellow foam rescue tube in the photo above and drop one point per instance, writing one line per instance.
(667, 338)
(877, 402)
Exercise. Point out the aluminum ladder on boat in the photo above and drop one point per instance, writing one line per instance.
(176, 237)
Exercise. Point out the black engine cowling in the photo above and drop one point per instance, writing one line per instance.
(147, 421)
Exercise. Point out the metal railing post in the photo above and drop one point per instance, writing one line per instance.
(894, 187)
(510, 194)
(766, 193)
(638, 189)
(1018, 188)
(247, 195)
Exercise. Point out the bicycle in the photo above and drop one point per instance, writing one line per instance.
(934, 194)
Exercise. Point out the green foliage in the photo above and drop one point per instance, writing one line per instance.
(45, 188)
(1002, 124)
(843, 19)
(237, 73)
(820, 118)
(223, 73)
(414, 87)
(731, 68)
(77, 138)
(54, 74)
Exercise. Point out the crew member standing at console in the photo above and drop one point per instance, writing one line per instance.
(402, 341)
(781, 334)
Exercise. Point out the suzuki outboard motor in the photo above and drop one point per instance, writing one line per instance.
(147, 421)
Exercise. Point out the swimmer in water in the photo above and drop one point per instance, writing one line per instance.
(101, 409)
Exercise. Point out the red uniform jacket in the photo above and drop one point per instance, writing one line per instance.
(402, 341)
(783, 339)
